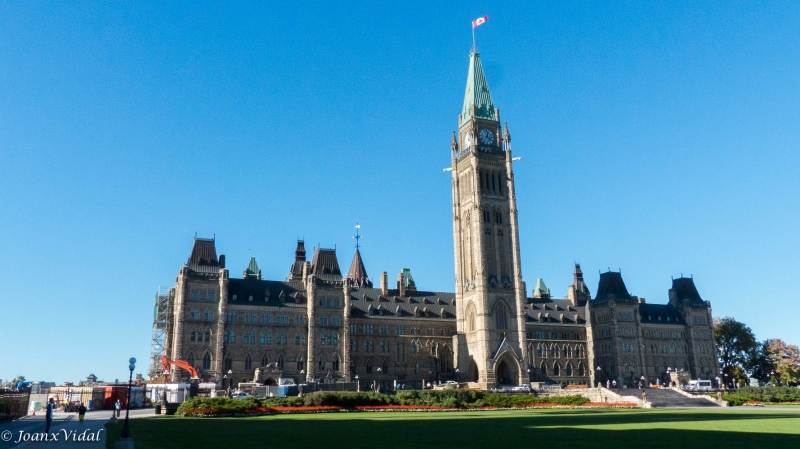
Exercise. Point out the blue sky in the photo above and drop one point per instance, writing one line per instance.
(655, 137)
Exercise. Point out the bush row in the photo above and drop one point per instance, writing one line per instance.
(347, 399)
(763, 394)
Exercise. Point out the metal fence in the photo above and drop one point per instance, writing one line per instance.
(13, 405)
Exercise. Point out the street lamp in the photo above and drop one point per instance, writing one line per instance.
(457, 371)
(224, 381)
(358, 384)
(599, 370)
(131, 367)
(380, 377)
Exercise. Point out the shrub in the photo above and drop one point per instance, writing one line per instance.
(220, 405)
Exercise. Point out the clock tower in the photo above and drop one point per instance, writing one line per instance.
(490, 293)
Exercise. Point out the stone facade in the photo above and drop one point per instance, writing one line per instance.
(322, 325)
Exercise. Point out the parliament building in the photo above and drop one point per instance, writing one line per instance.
(321, 324)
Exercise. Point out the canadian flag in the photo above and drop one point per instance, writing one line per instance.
(479, 21)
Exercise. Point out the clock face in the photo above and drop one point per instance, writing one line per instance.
(487, 137)
(467, 140)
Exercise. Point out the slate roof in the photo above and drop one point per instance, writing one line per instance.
(358, 274)
(649, 314)
(477, 92)
(204, 256)
(266, 293)
(439, 305)
(610, 286)
(325, 265)
(560, 311)
(685, 289)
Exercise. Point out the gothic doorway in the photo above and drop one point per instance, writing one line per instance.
(270, 381)
(503, 373)
(472, 373)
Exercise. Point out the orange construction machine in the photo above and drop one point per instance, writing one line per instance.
(166, 363)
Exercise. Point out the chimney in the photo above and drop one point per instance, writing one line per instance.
(222, 261)
(641, 301)
(401, 284)
(306, 270)
(384, 284)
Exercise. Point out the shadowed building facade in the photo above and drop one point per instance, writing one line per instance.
(322, 325)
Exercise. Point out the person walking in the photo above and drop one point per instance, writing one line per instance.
(81, 412)
(118, 406)
(48, 416)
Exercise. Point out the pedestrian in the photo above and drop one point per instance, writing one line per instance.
(48, 416)
(608, 384)
(118, 406)
(81, 412)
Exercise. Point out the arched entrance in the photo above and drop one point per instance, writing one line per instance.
(472, 373)
(270, 381)
(502, 373)
(506, 370)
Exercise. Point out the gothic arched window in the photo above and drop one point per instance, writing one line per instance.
(248, 362)
(264, 360)
(228, 362)
(207, 361)
(556, 370)
(192, 338)
(543, 367)
(190, 359)
(500, 317)
(300, 364)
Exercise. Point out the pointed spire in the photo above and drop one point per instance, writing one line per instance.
(252, 271)
(358, 274)
(454, 143)
(477, 99)
(506, 135)
(541, 290)
(577, 281)
(296, 271)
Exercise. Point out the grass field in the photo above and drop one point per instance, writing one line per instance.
(519, 428)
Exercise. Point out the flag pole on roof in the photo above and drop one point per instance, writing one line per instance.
(475, 24)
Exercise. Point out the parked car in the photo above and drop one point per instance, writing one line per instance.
(241, 395)
(451, 382)
(525, 388)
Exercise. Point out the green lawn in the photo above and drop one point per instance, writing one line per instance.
(520, 428)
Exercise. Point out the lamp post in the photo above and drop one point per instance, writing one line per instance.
(131, 367)
(380, 379)
(599, 370)
(224, 381)
(358, 384)
(302, 379)
(457, 371)
(529, 376)
(725, 375)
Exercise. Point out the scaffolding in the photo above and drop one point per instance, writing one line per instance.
(162, 319)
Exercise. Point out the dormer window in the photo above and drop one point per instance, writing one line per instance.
(234, 297)
(659, 318)
(250, 298)
(668, 319)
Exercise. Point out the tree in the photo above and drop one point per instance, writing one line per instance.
(785, 360)
(139, 377)
(736, 343)
(760, 365)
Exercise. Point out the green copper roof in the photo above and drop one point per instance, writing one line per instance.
(540, 288)
(252, 268)
(408, 281)
(477, 93)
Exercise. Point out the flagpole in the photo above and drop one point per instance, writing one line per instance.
(473, 37)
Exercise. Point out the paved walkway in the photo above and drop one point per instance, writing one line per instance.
(66, 428)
